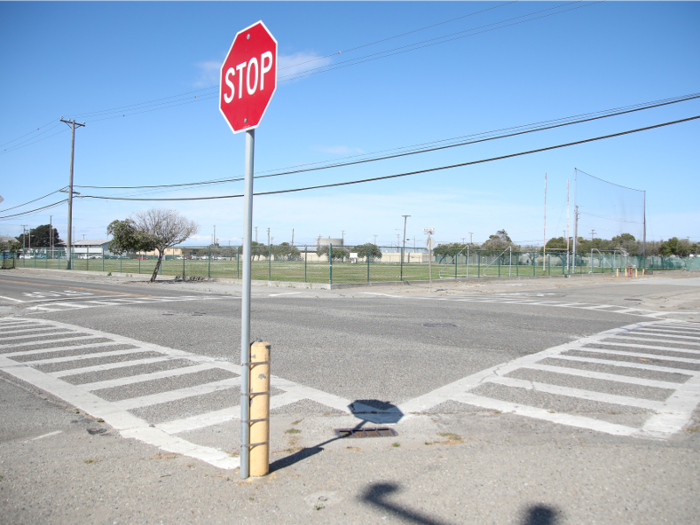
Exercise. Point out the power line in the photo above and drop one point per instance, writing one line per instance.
(406, 174)
(29, 202)
(157, 104)
(35, 210)
(425, 148)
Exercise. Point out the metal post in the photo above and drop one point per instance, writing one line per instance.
(183, 265)
(269, 258)
(238, 262)
(306, 256)
(120, 263)
(330, 263)
(245, 303)
(209, 263)
(403, 248)
(138, 256)
(103, 259)
(367, 255)
(478, 264)
(456, 266)
(499, 265)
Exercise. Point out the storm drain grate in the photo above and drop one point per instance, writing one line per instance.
(369, 432)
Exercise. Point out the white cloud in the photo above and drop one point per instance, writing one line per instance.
(208, 73)
(298, 63)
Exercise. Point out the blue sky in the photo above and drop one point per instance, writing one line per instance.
(72, 60)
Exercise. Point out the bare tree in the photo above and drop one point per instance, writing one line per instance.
(154, 229)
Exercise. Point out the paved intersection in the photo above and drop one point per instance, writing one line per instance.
(646, 374)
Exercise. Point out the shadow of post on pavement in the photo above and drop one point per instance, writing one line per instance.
(367, 410)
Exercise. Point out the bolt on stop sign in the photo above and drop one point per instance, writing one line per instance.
(248, 77)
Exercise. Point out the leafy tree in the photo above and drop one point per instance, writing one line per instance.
(40, 237)
(338, 253)
(154, 229)
(674, 246)
(363, 250)
(557, 243)
(499, 241)
(285, 252)
(10, 245)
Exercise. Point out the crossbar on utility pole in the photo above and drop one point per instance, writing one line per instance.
(72, 123)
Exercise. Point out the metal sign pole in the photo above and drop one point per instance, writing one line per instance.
(245, 303)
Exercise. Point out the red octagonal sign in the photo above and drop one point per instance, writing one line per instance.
(248, 77)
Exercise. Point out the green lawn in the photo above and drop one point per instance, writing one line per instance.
(297, 271)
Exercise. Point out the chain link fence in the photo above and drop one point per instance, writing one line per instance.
(337, 264)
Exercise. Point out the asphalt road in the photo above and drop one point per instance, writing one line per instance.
(535, 361)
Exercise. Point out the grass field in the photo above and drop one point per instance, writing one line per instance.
(297, 271)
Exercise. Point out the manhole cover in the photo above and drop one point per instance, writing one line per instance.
(440, 325)
(369, 432)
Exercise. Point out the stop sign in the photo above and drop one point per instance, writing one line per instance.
(248, 77)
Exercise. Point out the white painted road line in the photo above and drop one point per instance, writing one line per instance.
(143, 378)
(625, 364)
(668, 334)
(546, 415)
(651, 347)
(59, 349)
(651, 340)
(588, 395)
(175, 395)
(639, 355)
(55, 432)
(82, 357)
(52, 341)
(108, 366)
(55, 331)
(11, 299)
(668, 385)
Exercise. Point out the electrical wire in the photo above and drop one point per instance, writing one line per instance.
(34, 211)
(157, 104)
(418, 149)
(29, 202)
(406, 174)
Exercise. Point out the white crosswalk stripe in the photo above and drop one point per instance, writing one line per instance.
(662, 418)
(81, 303)
(73, 368)
(26, 363)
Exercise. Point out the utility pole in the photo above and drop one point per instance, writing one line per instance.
(30, 235)
(24, 237)
(544, 244)
(403, 250)
(644, 241)
(470, 237)
(268, 236)
(375, 240)
(568, 263)
(292, 236)
(51, 233)
(72, 125)
(342, 238)
(256, 234)
(592, 234)
(573, 262)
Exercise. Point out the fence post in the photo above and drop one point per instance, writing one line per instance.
(138, 257)
(120, 263)
(306, 256)
(456, 266)
(238, 264)
(87, 260)
(549, 265)
(534, 268)
(478, 264)
(269, 262)
(499, 266)
(209, 263)
(517, 264)
(367, 255)
(401, 272)
(330, 263)
(183, 265)
(103, 258)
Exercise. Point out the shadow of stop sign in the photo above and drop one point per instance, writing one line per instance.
(248, 77)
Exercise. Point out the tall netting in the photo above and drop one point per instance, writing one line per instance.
(608, 210)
